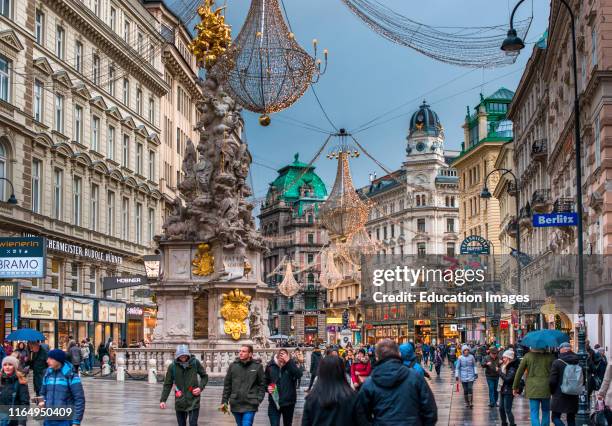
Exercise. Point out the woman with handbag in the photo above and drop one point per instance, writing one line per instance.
(605, 394)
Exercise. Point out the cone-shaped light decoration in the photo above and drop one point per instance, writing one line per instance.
(330, 277)
(289, 286)
(344, 212)
(265, 70)
(359, 244)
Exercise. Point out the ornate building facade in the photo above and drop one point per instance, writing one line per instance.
(178, 112)
(415, 212)
(79, 122)
(542, 111)
(485, 133)
(292, 232)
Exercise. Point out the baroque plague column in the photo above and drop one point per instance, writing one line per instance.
(210, 293)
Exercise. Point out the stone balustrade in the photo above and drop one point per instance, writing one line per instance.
(216, 361)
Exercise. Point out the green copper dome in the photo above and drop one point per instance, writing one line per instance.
(297, 181)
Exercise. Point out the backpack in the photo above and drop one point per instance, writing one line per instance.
(573, 381)
(75, 355)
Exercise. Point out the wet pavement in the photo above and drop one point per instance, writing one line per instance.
(137, 403)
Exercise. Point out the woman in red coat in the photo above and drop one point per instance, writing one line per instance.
(361, 368)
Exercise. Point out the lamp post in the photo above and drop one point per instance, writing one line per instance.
(12, 199)
(513, 43)
(485, 193)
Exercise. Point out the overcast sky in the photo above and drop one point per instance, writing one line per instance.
(368, 75)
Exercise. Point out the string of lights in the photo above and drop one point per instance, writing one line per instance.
(474, 47)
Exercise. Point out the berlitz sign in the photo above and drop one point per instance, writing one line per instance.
(555, 219)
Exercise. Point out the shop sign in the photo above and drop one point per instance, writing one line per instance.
(22, 257)
(111, 312)
(150, 312)
(310, 329)
(134, 311)
(422, 322)
(453, 327)
(143, 293)
(346, 337)
(39, 306)
(369, 326)
(475, 244)
(8, 291)
(78, 250)
(75, 309)
(495, 323)
(334, 320)
(503, 324)
(111, 283)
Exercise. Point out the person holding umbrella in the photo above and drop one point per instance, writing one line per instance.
(537, 366)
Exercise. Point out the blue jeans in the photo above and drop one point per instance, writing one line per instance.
(493, 394)
(244, 419)
(571, 419)
(534, 410)
(505, 409)
(91, 361)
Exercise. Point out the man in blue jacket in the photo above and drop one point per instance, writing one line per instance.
(394, 391)
(62, 388)
(409, 358)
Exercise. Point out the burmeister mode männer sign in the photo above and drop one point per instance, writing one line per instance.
(22, 257)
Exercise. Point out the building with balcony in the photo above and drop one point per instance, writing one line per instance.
(81, 84)
(178, 112)
(415, 213)
(292, 232)
(544, 128)
(485, 133)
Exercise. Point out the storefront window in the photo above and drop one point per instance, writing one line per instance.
(48, 329)
(310, 321)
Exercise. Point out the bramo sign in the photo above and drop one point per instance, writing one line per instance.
(475, 244)
(22, 257)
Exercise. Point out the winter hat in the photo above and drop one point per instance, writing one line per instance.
(181, 350)
(465, 348)
(565, 345)
(508, 354)
(11, 360)
(58, 355)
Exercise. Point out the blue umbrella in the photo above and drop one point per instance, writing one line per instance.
(544, 339)
(26, 335)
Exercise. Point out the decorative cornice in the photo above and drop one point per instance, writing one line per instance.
(9, 38)
(86, 23)
(178, 70)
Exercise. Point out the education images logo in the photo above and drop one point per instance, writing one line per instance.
(409, 277)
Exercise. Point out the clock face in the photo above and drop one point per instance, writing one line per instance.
(420, 146)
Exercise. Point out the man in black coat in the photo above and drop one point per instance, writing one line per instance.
(561, 402)
(394, 391)
(281, 377)
(38, 364)
(315, 358)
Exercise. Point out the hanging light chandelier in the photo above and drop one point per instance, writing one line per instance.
(344, 212)
(330, 277)
(265, 70)
(357, 245)
(289, 286)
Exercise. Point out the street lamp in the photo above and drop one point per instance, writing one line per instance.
(12, 199)
(514, 43)
(486, 194)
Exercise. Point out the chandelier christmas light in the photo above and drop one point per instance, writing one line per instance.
(265, 70)
(329, 277)
(359, 244)
(476, 47)
(289, 286)
(344, 212)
